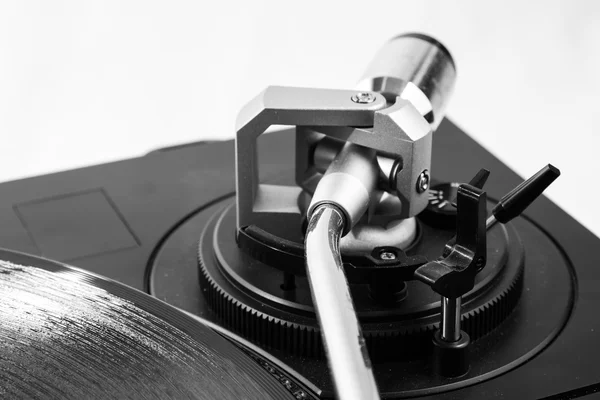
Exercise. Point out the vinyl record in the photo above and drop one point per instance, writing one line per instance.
(68, 334)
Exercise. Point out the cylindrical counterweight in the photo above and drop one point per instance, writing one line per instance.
(417, 68)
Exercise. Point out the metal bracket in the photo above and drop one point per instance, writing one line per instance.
(398, 130)
(399, 133)
(278, 105)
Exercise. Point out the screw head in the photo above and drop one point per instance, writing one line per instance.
(363, 98)
(423, 181)
(387, 255)
(480, 263)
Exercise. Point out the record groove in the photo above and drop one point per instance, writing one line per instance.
(65, 337)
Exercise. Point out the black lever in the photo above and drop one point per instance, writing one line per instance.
(479, 180)
(453, 275)
(518, 199)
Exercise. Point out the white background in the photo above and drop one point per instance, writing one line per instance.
(85, 82)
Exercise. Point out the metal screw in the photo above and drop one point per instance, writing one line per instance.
(363, 98)
(480, 263)
(423, 181)
(387, 255)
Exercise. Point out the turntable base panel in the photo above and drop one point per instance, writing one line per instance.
(148, 197)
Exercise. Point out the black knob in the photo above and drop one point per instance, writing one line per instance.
(518, 199)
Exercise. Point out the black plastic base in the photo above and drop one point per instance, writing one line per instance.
(246, 293)
(543, 308)
(451, 359)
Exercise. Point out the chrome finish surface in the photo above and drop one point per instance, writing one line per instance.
(386, 255)
(423, 181)
(364, 238)
(328, 148)
(417, 68)
(349, 183)
(399, 132)
(325, 151)
(366, 235)
(450, 326)
(363, 98)
(490, 222)
(344, 343)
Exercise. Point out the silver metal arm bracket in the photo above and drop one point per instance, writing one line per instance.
(399, 134)
(278, 105)
(396, 130)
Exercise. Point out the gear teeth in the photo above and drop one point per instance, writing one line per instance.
(305, 341)
(483, 320)
(259, 327)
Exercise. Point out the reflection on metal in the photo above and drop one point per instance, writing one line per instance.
(417, 68)
(344, 343)
(450, 324)
(363, 238)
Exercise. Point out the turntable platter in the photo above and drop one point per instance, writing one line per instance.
(65, 333)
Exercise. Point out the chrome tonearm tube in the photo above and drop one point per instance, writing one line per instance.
(360, 155)
(414, 68)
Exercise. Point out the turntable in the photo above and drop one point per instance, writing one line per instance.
(370, 250)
